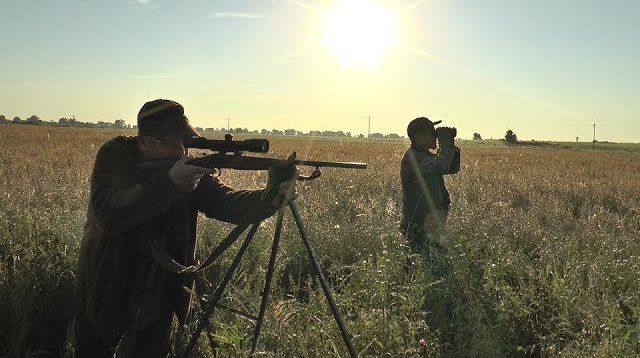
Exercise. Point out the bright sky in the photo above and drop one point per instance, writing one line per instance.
(546, 69)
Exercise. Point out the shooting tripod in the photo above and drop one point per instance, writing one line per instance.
(222, 160)
(209, 307)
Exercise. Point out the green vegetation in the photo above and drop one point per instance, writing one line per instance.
(543, 243)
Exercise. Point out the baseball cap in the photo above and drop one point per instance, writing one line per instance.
(163, 118)
(421, 123)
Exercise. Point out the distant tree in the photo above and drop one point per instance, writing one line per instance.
(119, 124)
(392, 135)
(16, 120)
(360, 135)
(290, 131)
(510, 137)
(34, 120)
(477, 136)
(264, 132)
(376, 135)
(3, 119)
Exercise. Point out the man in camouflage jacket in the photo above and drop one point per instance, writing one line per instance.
(120, 288)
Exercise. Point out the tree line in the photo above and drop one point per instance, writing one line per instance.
(295, 132)
(510, 136)
(66, 122)
(120, 124)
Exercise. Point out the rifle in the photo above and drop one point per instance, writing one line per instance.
(222, 159)
(236, 160)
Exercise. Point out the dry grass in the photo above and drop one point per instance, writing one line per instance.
(543, 243)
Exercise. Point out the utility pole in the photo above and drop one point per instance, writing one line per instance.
(593, 147)
(228, 125)
(369, 128)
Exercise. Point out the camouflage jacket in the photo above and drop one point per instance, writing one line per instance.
(423, 188)
(115, 259)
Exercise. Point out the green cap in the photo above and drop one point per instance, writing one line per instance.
(163, 118)
(420, 124)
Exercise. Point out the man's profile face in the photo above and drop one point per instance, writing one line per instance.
(156, 149)
(425, 138)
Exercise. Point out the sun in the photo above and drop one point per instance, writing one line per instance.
(358, 32)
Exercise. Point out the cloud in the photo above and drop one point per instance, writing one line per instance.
(240, 96)
(152, 77)
(305, 5)
(235, 15)
(141, 2)
(31, 85)
(77, 69)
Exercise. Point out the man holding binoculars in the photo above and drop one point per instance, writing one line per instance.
(425, 199)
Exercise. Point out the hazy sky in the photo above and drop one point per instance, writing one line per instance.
(546, 68)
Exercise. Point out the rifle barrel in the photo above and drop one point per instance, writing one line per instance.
(238, 162)
(318, 164)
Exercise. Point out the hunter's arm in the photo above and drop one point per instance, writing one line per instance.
(454, 168)
(219, 201)
(118, 203)
(429, 164)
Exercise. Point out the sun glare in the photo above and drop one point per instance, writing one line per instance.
(358, 32)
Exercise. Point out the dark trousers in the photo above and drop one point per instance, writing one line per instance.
(150, 342)
(438, 297)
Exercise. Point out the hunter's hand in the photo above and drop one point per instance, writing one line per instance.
(187, 176)
(282, 180)
(286, 193)
(445, 135)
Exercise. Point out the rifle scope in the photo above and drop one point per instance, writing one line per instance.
(228, 145)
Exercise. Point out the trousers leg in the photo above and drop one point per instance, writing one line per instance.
(153, 341)
(414, 236)
(89, 343)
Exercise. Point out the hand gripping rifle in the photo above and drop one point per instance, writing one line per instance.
(222, 159)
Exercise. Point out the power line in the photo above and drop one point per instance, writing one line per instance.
(593, 147)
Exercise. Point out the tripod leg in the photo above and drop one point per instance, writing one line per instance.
(200, 291)
(217, 294)
(267, 281)
(323, 281)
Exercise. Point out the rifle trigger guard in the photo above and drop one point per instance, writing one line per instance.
(315, 174)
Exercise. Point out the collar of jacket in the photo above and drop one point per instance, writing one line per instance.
(420, 149)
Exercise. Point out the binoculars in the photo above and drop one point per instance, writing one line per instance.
(446, 131)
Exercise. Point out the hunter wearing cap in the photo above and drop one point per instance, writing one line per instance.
(425, 199)
(122, 288)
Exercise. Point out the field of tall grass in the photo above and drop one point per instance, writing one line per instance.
(543, 244)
